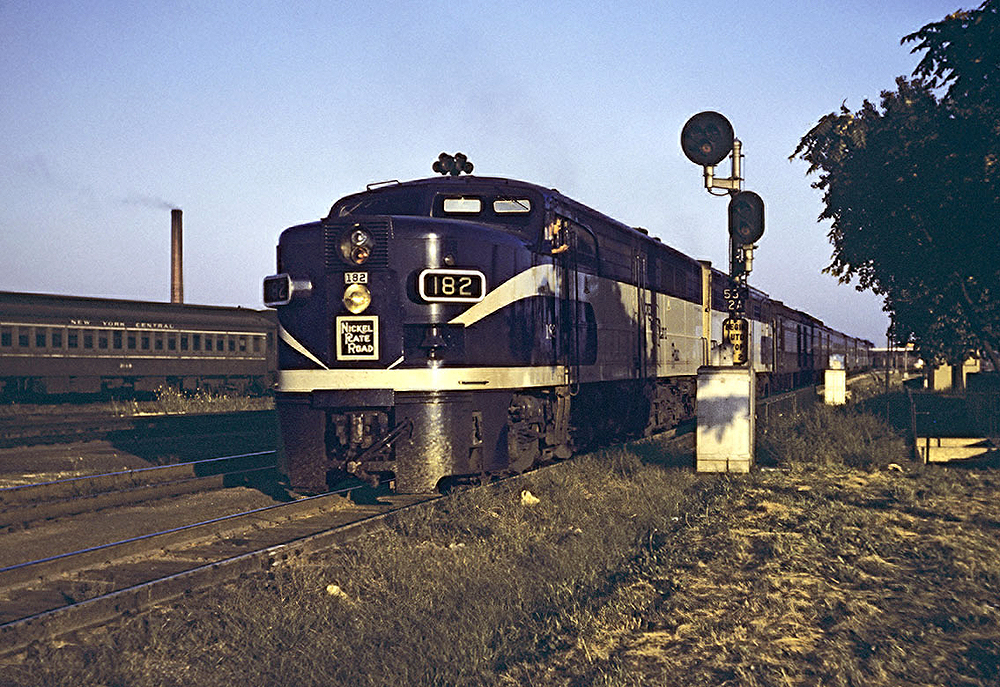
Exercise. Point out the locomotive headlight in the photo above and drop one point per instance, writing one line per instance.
(357, 298)
(356, 245)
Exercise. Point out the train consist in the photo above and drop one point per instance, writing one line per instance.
(465, 325)
(54, 345)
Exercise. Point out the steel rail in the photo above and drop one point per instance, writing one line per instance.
(41, 569)
(33, 513)
(87, 485)
(44, 428)
(15, 635)
(89, 493)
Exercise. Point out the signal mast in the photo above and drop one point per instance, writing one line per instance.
(707, 139)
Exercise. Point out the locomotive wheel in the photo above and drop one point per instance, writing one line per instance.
(522, 445)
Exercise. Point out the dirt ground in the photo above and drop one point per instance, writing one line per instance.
(812, 577)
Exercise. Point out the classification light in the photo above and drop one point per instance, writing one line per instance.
(356, 245)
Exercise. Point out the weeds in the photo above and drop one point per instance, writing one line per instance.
(167, 400)
(171, 400)
(829, 436)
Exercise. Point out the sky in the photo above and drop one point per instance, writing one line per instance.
(253, 116)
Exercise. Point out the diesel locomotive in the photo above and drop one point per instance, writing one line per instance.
(462, 325)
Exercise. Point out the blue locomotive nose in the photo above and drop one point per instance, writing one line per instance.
(377, 377)
(338, 300)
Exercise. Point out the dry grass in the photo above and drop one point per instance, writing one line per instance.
(448, 597)
(167, 401)
(864, 573)
(829, 436)
(626, 572)
(832, 582)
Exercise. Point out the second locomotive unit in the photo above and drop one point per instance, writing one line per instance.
(459, 326)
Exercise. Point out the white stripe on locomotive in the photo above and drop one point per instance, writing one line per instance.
(678, 325)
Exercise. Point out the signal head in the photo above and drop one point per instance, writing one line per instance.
(707, 138)
(746, 218)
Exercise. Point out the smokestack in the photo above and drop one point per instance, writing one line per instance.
(176, 257)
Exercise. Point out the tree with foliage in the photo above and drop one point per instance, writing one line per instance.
(912, 186)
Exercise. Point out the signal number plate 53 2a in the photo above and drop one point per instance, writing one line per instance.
(451, 286)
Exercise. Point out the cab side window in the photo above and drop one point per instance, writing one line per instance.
(585, 245)
(565, 235)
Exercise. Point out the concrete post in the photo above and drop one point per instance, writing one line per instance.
(726, 422)
(835, 382)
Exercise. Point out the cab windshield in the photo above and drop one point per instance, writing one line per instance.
(515, 211)
(385, 202)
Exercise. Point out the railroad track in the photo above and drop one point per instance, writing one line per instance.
(21, 430)
(47, 597)
(42, 599)
(31, 503)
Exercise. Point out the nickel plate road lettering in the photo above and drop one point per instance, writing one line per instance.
(358, 338)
